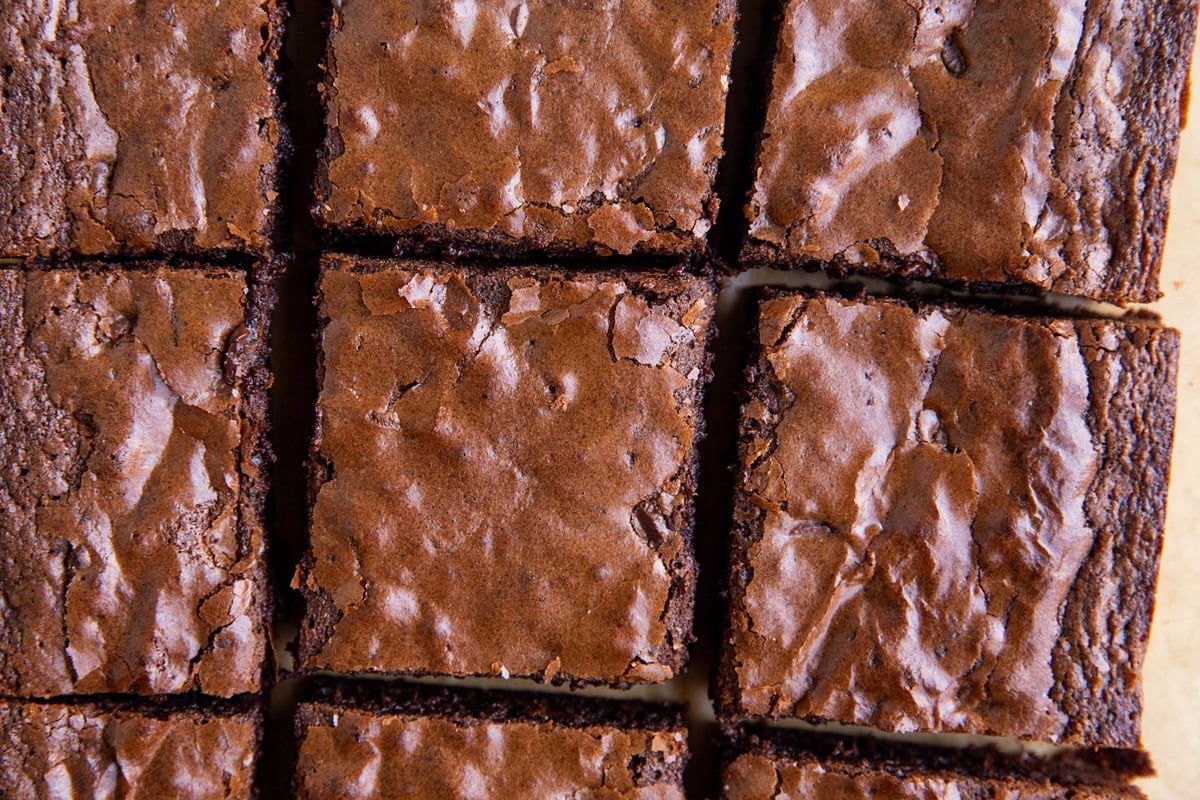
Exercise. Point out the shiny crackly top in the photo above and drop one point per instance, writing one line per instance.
(990, 133)
(85, 751)
(595, 124)
(920, 491)
(362, 755)
(134, 126)
(123, 566)
(509, 474)
(753, 777)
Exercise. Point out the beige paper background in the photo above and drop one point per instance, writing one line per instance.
(1171, 727)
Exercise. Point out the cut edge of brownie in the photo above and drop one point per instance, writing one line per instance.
(1132, 422)
(1101, 770)
(1115, 723)
(429, 241)
(157, 706)
(320, 615)
(474, 705)
(252, 361)
(1166, 36)
(436, 241)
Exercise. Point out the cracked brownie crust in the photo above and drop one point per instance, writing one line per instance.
(948, 519)
(133, 481)
(548, 127)
(764, 765)
(504, 470)
(989, 141)
(148, 127)
(424, 742)
(115, 748)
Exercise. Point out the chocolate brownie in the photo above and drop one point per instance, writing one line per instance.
(425, 742)
(138, 127)
(505, 464)
(118, 748)
(763, 765)
(133, 453)
(948, 519)
(548, 127)
(992, 141)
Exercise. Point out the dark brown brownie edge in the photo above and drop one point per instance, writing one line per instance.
(1165, 34)
(1156, 107)
(439, 242)
(1105, 771)
(322, 695)
(1132, 420)
(249, 357)
(156, 706)
(1125, 505)
(745, 525)
(435, 241)
(882, 261)
(319, 615)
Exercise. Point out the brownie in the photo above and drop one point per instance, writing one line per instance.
(133, 477)
(993, 141)
(766, 764)
(138, 127)
(948, 518)
(426, 742)
(118, 748)
(543, 127)
(504, 471)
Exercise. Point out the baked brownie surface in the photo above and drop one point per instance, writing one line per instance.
(506, 466)
(110, 749)
(130, 492)
(499, 744)
(948, 519)
(135, 127)
(985, 140)
(792, 764)
(508, 125)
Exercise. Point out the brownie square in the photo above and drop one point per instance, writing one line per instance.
(493, 126)
(134, 453)
(764, 764)
(119, 748)
(995, 141)
(138, 127)
(948, 519)
(505, 464)
(425, 742)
